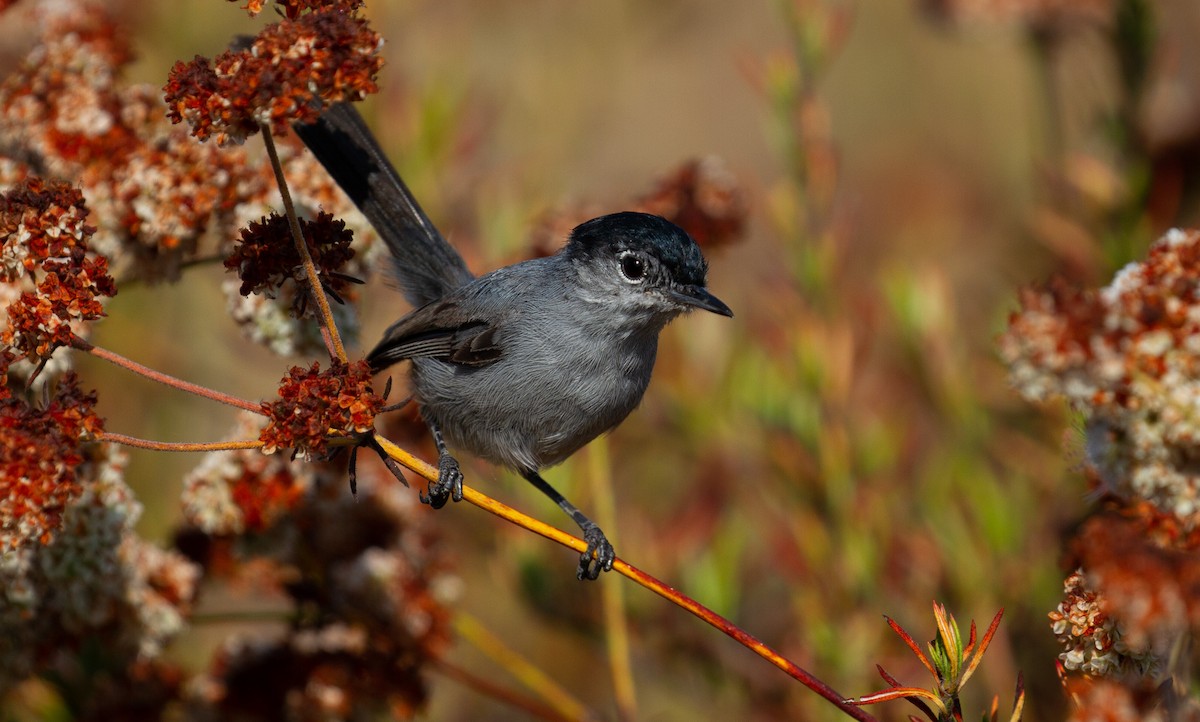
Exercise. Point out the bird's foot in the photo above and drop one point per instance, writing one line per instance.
(599, 555)
(449, 485)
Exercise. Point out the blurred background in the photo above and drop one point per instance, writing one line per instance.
(847, 446)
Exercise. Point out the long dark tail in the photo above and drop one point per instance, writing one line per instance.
(424, 265)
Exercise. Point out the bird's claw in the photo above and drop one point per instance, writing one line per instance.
(449, 485)
(598, 557)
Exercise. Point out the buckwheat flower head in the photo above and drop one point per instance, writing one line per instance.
(41, 450)
(1127, 357)
(243, 491)
(1092, 639)
(157, 197)
(95, 580)
(315, 404)
(320, 53)
(54, 281)
(375, 590)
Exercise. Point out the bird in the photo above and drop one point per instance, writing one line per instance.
(524, 365)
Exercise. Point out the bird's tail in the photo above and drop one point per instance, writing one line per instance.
(424, 265)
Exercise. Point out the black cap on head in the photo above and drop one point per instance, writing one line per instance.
(629, 230)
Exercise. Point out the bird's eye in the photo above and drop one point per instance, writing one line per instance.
(632, 267)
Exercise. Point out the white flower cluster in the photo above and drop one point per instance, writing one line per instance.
(1128, 359)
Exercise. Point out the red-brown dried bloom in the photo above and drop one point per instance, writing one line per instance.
(265, 256)
(40, 222)
(1092, 639)
(291, 70)
(44, 238)
(157, 196)
(371, 591)
(1145, 564)
(703, 198)
(292, 9)
(39, 453)
(243, 491)
(314, 405)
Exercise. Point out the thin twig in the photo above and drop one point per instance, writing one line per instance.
(178, 445)
(612, 594)
(474, 632)
(166, 379)
(491, 689)
(329, 328)
(670, 594)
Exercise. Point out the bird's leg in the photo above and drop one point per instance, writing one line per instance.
(449, 484)
(600, 554)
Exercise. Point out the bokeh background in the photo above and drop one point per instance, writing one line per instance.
(847, 446)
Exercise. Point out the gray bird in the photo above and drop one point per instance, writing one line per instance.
(525, 365)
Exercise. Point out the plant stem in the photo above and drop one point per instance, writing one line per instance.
(177, 445)
(332, 339)
(473, 631)
(166, 379)
(612, 594)
(491, 689)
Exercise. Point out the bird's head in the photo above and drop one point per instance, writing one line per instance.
(642, 265)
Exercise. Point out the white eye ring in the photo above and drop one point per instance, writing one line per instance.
(633, 268)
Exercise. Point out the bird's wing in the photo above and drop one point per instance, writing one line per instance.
(441, 330)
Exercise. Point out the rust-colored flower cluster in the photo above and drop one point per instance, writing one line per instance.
(265, 257)
(158, 197)
(370, 591)
(97, 583)
(236, 492)
(321, 53)
(40, 451)
(315, 405)
(1147, 564)
(1091, 638)
(44, 248)
(703, 198)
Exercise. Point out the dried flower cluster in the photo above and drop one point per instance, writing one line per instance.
(234, 492)
(1127, 359)
(40, 452)
(95, 580)
(52, 280)
(265, 257)
(368, 588)
(1092, 639)
(703, 198)
(272, 302)
(314, 405)
(1147, 566)
(291, 70)
(158, 198)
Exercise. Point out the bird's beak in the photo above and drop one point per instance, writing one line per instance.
(699, 297)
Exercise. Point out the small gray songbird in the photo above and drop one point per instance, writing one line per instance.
(524, 365)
